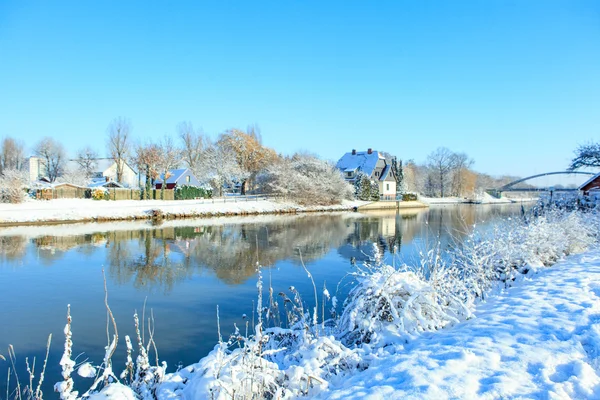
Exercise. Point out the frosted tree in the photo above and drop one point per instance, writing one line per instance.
(305, 179)
(586, 155)
(52, 157)
(374, 191)
(250, 155)
(87, 159)
(119, 143)
(169, 158)
(362, 187)
(194, 144)
(441, 164)
(147, 159)
(12, 154)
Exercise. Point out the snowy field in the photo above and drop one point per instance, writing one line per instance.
(92, 210)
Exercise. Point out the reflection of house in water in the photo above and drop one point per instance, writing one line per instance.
(386, 229)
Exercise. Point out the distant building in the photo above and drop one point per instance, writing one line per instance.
(371, 163)
(105, 169)
(36, 169)
(178, 177)
(592, 184)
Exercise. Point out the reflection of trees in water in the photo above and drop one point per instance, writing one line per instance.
(162, 257)
(144, 256)
(232, 251)
(12, 247)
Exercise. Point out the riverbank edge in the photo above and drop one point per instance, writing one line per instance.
(160, 212)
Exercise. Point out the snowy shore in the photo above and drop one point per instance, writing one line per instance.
(539, 339)
(87, 210)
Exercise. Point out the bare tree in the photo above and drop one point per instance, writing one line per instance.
(87, 159)
(194, 144)
(147, 159)
(12, 155)
(52, 157)
(461, 175)
(441, 164)
(169, 158)
(119, 143)
(586, 155)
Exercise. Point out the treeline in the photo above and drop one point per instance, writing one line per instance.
(446, 173)
(235, 158)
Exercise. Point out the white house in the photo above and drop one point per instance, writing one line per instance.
(371, 163)
(107, 168)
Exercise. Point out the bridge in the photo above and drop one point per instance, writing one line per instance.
(510, 187)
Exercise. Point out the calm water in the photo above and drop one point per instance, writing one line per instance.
(183, 270)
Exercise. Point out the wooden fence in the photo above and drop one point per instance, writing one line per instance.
(112, 194)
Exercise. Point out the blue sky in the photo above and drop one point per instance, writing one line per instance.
(514, 84)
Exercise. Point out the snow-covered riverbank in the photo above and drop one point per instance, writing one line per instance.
(87, 210)
(537, 340)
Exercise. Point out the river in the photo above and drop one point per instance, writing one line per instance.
(184, 269)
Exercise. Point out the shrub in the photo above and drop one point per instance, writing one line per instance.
(12, 186)
(186, 192)
(409, 197)
(100, 194)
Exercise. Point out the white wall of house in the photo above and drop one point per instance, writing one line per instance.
(35, 169)
(129, 179)
(387, 187)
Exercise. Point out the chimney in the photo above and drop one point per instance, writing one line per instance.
(353, 152)
(370, 151)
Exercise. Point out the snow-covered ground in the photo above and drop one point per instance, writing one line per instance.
(485, 198)
(537, 340)
(92, 210)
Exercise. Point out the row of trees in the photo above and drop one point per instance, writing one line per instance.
(239, 157)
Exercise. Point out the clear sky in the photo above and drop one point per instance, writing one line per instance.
(514, 84)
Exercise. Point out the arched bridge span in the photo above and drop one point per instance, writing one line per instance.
(509, 186)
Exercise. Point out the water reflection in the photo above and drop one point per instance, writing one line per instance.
(187, 268)
(157, 258)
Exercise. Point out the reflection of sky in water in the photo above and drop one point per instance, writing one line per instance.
(185, 272)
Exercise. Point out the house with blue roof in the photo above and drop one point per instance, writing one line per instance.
(178, 177)
(371, 163)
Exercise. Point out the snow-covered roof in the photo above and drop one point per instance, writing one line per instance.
(174, 175)
(104, 183)
(385, 173)
(589, 181)
(362, 160)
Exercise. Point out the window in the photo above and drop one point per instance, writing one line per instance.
(387, 187)
(376, 173)
(348, 174)
(187, 179)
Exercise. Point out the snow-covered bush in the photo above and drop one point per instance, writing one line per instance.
(306, 180)
(388, 302)
(12, 186)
